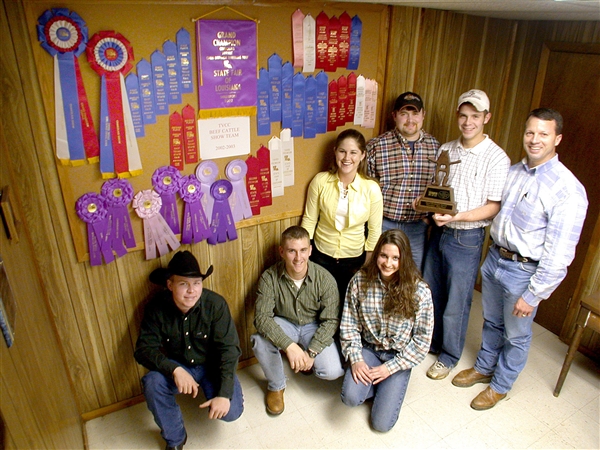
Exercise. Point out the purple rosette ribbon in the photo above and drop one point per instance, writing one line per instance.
(207, 172)
(195, 225)
(166, 181)
(157, 233)
(117, 194)
(240, 203)
(91, 208)
(222, 223)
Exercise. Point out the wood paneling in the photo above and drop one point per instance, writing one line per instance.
(97, 311)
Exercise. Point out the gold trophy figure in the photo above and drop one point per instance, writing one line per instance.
(439, 197)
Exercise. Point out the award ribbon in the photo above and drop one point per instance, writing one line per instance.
(274, 64)
(144, 72)
(359, 109)
(176, 140)
(310, 120)
(236, 171)
(110, 55)
(321, 40)
(322, 99)
(297, 38)
(184, 48)
(157, 233)
(344, 40)
(195, 224)
(287, 91)
(263, 115)
(331, 64)
(222, 223)
(342, 100)
(64, 35)
(370, 103)
(173, 72)
(159, 77)
(355, 36)
(133, 94)
(190, 135)
(309, 26)
(332, 113)
(253, 184)
(264, 157)
(117, 194)
(351, 97)
(166, 181)
(207, 172)
(298, 105)
(92, 210)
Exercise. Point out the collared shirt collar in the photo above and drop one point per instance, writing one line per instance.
(542, 168)
(334, 178)
(281, 272)
(478, 148)
(404, 140)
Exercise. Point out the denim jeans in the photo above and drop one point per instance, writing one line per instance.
(505, 338)
(389, 394)
(416, 232)
(451, 267)
(160, 394)
(327, 365)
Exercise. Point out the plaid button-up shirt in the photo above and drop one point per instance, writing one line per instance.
(402, 174)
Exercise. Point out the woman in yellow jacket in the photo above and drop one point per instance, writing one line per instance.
(338, 205)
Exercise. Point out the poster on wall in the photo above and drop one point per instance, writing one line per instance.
(227, 67)
(224, 137)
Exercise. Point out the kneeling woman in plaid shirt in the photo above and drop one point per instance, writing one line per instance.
(386, 329)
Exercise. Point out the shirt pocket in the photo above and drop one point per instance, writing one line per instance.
(529, 216)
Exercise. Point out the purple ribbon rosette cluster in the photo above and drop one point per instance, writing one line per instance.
(157, 232)
(222, 223)
(166, 181)
(195, 225)
(91, 208)
(118, 194)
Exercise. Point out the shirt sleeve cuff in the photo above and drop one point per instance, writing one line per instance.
(530, 298)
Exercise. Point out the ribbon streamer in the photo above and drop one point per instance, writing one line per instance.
(239, 202)
(166, 181)
(91, 208)
(222, 223)
(110, 55)
(64, 35)
(117, 194)
(195, 224)
(157, 234)
(207, 172)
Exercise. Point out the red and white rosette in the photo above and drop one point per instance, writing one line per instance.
(157, 233)
(64, 35)
(111, 56)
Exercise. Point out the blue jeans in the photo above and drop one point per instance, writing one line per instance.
(389, 394)
(160, 394)
(327, 365)
(451, 267)
(416, 232)
(505, 338)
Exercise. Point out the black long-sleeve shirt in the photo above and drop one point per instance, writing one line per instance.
(205, 335)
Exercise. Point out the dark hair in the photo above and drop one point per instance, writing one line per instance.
(361, 143)
(294, 232)
(548, 114)
(400, 299)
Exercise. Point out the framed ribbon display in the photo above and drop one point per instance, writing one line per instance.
(195, 225)
(157, 233)
(118, 194)
(166, 181)
(110, 55)
(91, 208)
(64, 35)
(206, 173)
(236, 171)
(222, 223)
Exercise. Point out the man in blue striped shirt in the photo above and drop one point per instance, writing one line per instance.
(535, 235)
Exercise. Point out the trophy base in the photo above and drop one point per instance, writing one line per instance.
(437, 199)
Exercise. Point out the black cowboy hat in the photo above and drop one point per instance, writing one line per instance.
(183, 264)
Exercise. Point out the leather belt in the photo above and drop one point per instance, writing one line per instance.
(513, 256)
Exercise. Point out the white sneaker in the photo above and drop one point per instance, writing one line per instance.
(438, 371)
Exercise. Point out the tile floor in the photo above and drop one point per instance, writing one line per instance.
(435, 414)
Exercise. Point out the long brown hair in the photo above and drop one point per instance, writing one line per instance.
(361, 143)
(400, 299)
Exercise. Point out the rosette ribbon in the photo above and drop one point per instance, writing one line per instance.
(91, 208)
(206, 173)
(222, 223)
(195, 225)
(157, 233)
(64, 35)
(117, 194)
(236, 172)
(110, 55)
(166, 181)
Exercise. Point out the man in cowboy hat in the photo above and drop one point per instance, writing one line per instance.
(188, 340)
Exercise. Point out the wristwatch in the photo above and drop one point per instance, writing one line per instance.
(312, 353)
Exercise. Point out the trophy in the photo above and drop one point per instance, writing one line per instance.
(439, 197)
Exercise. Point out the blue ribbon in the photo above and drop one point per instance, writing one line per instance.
(298, 105)
(310, 120)
(185, 60)
(274, 65)
(70, 98)
(355, 36)
(263, 118)
(322, 102)
(133, 95)
(144, 72)
(173, 72)
(159, 76)
(287, 90)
